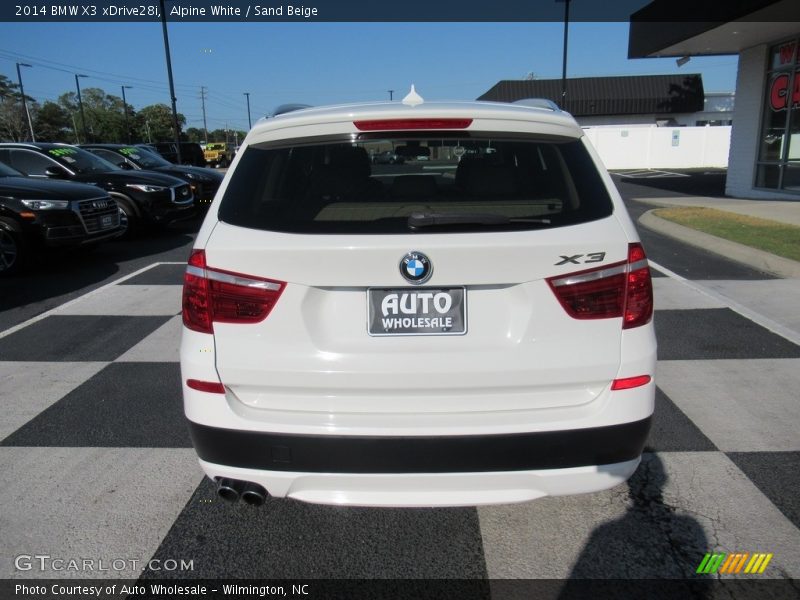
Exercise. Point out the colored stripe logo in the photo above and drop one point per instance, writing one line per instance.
(736, 563)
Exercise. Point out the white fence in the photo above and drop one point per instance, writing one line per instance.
(661, 147)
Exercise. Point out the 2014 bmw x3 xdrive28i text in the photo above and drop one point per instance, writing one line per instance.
(475, 328)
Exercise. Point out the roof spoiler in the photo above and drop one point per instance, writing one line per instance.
(538, 103)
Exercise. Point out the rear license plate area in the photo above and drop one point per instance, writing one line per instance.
(416, 311)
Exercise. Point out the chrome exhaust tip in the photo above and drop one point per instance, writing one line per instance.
(253, 494)
(229, 489)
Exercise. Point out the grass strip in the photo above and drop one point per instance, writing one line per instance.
(777, 238)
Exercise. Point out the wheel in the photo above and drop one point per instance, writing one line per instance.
(127, 218)
(13, 251)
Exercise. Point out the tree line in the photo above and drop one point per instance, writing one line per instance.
(60, 121)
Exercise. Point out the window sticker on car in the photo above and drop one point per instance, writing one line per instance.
(418, 311)
(61, 151)
(130, 152)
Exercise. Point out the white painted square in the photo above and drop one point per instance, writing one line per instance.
(673, 294)
(695, 502)
(97, 503)
(740, 405)
(124, 300)
(28, 388)
(163, 345)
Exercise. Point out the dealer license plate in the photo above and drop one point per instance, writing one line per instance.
(417, 311)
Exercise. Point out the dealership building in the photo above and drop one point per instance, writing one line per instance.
(764, 158)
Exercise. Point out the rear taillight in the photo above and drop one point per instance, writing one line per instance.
(213, 295)
(622, 289)
(638, 289)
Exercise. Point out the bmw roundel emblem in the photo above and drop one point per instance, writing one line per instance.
(416, 267)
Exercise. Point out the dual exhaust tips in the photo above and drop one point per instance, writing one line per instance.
(249, 492)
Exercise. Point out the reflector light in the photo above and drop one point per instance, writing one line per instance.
(213, 295)
(213, 387)
(409, 124)
(621, 289)
(630, 382)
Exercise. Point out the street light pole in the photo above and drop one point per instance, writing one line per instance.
(125, 110)
(80, 105)
(564, 60)
(176, 128)
(249, 122)
(24, 101)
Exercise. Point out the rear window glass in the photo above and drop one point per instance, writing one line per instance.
(399, 184)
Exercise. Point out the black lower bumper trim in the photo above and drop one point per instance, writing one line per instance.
(411, 454)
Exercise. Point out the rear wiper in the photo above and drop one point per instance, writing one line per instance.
(418, 220)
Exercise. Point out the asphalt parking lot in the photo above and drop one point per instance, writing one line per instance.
(98, 462)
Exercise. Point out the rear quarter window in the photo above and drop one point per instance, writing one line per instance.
(339, 186)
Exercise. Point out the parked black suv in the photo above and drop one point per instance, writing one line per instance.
(191, 152)
(204, 182)
(142, 196)
(36, 213)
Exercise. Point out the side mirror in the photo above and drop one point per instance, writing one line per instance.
(56, 172)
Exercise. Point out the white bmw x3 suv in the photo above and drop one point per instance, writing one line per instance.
(470, 325)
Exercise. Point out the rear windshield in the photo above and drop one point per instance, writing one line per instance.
(421, 184)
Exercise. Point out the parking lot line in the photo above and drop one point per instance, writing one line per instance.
(60, 307)
(744, 311)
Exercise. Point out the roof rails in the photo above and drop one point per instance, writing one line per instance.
(538, 103)
(286, 108)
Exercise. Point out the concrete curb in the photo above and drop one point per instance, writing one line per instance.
(758, 259)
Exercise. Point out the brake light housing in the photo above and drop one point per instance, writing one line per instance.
(214, 295)
(411, 124)
(622, 289)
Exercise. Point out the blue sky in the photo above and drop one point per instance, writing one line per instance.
(318, 63)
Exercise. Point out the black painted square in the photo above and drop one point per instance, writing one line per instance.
(777, 475)
(290, 539)
(673, 431)
(76, 338)
(716, 333)
(159, 275)
(124, 405)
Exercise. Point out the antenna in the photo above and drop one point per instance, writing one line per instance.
(413, 98)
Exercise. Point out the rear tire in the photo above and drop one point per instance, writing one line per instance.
(13, 251)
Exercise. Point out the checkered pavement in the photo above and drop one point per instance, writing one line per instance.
(97, 462)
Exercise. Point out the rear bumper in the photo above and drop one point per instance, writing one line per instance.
(420, 454)
(430, 489)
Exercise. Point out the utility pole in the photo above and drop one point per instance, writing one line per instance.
(75, 129)
(125, 109)
(391, 95)
(203, 102)
(564, 60)
(80, 104)
(176, 128)
(249, 122)
(24, 101)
